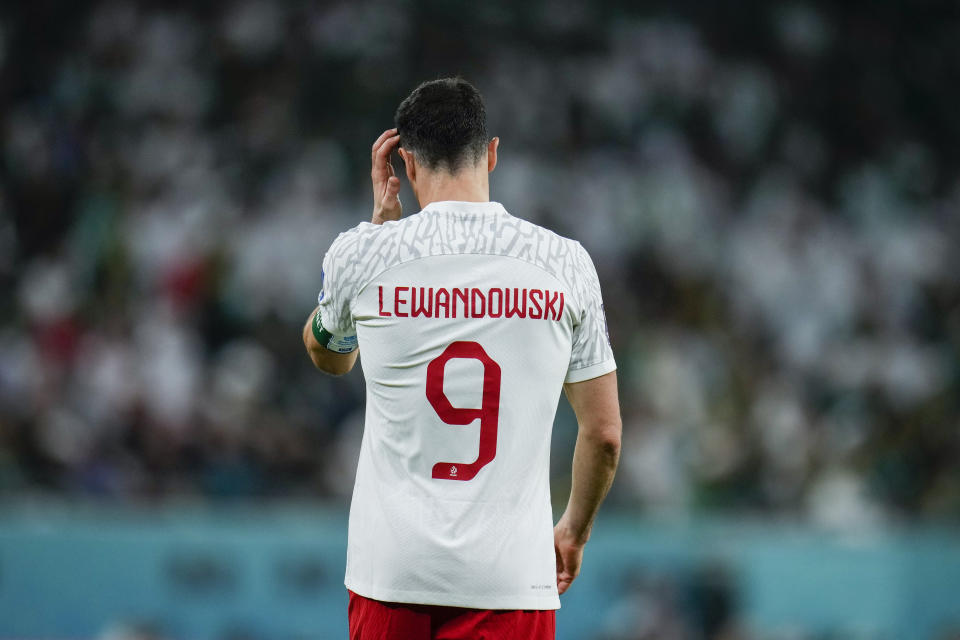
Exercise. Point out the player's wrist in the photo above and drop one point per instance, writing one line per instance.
(571, 533)
(332, 341)
(381, 215)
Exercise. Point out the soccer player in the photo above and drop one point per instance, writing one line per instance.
(470, 322)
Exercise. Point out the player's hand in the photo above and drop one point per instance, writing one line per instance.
(569, 550)
(386, 186)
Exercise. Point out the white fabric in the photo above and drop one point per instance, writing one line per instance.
(409, 289)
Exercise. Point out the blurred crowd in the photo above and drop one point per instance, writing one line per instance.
(771, 195)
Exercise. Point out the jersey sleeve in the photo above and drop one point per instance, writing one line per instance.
(338, 288)
(591, 355)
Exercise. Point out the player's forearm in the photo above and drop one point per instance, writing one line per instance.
(595, 460)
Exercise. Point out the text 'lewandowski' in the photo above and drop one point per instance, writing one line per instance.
(471, 302)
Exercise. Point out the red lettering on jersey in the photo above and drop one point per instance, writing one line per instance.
(534, 305)
(495, 302)
(443, 302)
(477, 310)
(518, 308)
(382, 312)
(421, 310)
(550, 312)
(397, 301)
(499, 311)
(463, 295)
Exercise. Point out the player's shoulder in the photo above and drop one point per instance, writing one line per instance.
(367, 231)
(352, 242)
(527, 237)
(546, 245)
(355, 234)
(529, 227)
(363, 251)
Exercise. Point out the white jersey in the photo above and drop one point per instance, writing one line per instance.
(469, 321)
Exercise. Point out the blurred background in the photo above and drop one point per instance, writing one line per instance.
(770, 191)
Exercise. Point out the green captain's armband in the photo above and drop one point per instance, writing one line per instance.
(339, 344)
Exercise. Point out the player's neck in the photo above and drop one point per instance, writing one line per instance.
(463, 186)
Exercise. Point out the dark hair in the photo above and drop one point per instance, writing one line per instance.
(444, 123)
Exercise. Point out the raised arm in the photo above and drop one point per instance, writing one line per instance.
(333, 354)
(595, 459)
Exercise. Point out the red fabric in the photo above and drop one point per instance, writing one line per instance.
(375, 620)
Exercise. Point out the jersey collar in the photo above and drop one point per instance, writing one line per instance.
(457, 206)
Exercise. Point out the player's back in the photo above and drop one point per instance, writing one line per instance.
(469, 320)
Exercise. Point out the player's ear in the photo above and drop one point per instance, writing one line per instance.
(410, 162)
(492, 154)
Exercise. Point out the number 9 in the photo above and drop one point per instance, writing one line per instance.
(489, 411)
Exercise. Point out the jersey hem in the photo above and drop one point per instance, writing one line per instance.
(592, 371)
(441, 599)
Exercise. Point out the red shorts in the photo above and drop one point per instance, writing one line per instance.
(376, 620)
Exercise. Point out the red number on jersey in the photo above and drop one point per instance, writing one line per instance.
(489, 411)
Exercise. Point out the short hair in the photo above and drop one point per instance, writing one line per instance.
(444, 123)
